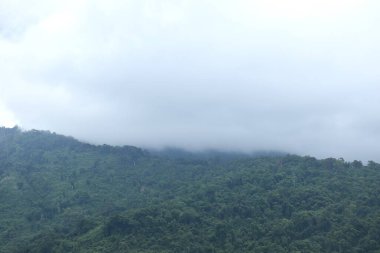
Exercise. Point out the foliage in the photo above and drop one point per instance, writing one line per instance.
(60, 195)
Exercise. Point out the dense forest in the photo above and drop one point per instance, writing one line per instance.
(58, 194)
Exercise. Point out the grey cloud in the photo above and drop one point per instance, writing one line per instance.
(199, 75)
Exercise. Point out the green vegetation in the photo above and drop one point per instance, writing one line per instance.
(60, 195)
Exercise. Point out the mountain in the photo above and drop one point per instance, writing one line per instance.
(61, 195)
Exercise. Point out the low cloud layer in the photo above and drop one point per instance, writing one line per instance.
(298, 76)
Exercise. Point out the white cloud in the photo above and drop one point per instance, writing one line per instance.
(7, 118)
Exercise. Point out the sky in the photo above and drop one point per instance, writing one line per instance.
(296, 76)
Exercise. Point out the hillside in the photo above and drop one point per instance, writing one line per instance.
(61, 195)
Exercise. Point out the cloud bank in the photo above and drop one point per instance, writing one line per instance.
(298, 76)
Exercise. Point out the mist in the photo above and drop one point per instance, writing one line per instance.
(300, 77)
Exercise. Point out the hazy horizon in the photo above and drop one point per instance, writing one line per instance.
(296, 76)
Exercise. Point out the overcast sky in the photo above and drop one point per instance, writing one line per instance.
(302, 76)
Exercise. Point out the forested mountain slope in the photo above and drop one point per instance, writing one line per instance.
(60, 195)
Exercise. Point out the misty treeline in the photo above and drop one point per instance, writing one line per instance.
(60, 195)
